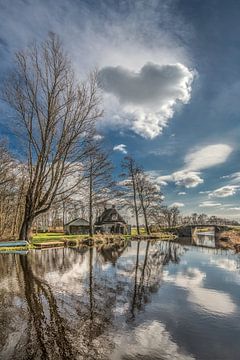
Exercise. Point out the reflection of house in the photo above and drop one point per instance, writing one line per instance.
(112, 222)
(77, 226)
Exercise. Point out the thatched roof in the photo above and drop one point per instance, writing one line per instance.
(110, 216)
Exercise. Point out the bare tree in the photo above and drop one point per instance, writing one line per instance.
(6, 164)
(98, 173)
(171, 215)
(131, 171)
(149, 195)
(55, 113)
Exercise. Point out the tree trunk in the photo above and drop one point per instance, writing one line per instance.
(25, 230)
(90, 206)
(135, 204)
(146, 221)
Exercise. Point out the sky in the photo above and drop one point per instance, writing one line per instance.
(169, 73)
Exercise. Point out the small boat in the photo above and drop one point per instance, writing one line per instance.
(13, 243)
(17, 252)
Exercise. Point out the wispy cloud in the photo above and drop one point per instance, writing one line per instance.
(121, 147)
(206, 204)
(207, 156)
(234, 178)
(177, 204)
(224, 191)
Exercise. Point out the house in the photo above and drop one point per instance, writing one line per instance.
(77, 227)
(111, 222)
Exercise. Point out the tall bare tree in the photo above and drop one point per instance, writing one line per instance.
(55, 113)
(98, 173)
(149, 195)
(131, 172)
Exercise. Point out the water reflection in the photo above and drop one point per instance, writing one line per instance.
(204, 239)
(133, 300)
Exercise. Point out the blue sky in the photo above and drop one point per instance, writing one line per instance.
(170, 76)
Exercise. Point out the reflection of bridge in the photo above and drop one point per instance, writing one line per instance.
(191, 230)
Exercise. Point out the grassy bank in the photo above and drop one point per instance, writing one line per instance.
(78, 240)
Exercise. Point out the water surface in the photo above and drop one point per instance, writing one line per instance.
(141, 301)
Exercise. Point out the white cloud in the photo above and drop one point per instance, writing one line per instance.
(207, 157)
(225, 191)
(182, 193)
(177, 204)
(98, 137)
(189, 179)
(121, 148)
(148, 96)
(209, 204)
(234, 178)
(141, 39)
(203, 158)
(235, 208)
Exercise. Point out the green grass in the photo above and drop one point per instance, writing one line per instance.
(51, 237)
(134, 231)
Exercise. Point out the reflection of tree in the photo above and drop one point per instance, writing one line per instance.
(111, 252)
(73, 299)
(45, 319)
(148, 276)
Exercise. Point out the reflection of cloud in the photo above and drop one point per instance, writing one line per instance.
(150, 340)
(211, 300)
(226, 264)
(70, 281)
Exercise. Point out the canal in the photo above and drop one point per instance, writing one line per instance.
(143, 300)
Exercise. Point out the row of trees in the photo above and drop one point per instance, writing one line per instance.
(56, 114)
(64, 168)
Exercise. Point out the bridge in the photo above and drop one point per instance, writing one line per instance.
(191, 230)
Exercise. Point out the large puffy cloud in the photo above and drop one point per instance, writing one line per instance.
(224, 191)
(127, 34)
(196, 161)
(148, 96)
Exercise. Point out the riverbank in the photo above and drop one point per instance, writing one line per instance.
(50, 240)
(230, 239)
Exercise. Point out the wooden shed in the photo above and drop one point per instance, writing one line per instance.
(77, 227)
